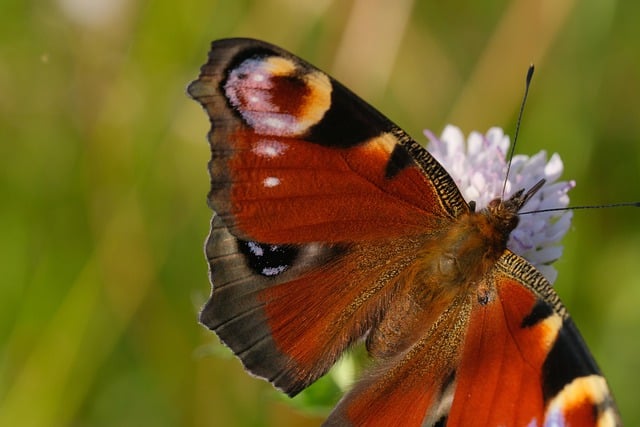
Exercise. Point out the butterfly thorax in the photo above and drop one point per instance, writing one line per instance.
(476, 240)
(473, 244)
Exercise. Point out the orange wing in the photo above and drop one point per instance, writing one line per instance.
(298, 158)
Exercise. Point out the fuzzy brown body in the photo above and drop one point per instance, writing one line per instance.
(449, 266)
(332, 225)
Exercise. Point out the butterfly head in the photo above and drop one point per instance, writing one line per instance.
(504, 213)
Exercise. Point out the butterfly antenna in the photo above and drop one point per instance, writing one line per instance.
(515, 136)
(575, 208)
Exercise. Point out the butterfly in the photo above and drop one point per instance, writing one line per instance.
(333, 226)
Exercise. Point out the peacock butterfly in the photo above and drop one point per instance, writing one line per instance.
(333, 225)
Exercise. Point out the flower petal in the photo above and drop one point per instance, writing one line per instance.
(478, 166)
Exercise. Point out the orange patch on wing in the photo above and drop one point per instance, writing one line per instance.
(313, 318)
(384, 143)
(576, 402)
(298, 318)
(304, 97)
(318, 193)
(405, 404)
(279, 66)
(499, 378)
(318, 100)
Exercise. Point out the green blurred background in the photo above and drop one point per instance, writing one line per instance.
(103, 180)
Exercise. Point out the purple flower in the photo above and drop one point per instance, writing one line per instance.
(479, 165)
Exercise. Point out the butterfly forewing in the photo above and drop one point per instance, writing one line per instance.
(315, 165)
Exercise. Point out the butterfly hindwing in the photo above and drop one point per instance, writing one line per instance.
(525, 360)
(414, 387)
(242, 271)
(289, 311)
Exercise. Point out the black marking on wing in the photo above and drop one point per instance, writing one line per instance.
(266, 259)
(349, 121)
(400, 159)
(256, 52)
(541, 310)
(442, 422)
(448, 381)
(567, 360)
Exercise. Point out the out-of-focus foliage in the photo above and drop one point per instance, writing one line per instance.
(103, 180)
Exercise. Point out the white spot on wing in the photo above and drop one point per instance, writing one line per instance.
(271, 181)
(255, 249)
(269, 148)
(274, 123)
(273, 271)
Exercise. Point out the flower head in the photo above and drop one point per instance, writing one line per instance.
(479, 165)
